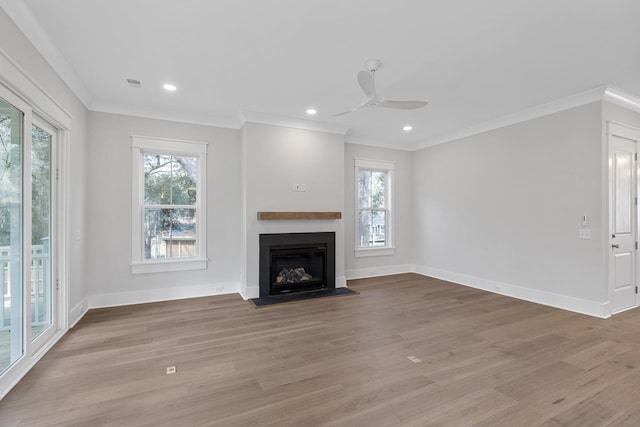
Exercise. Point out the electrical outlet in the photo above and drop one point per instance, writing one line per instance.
(299, 187)
(219, 289)
(584, 234)
(414, 359)
(171, 370)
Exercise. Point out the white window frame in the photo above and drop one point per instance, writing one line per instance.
(148, 144)
(388, 168)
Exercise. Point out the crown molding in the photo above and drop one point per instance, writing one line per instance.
(621, 98)
(291, 122)
(24, 20)
(583, 98)
(168, 115)
(349, 139)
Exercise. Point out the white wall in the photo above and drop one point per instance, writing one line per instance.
(110, 280)
(20, 52)
(501, 210)
(402, 260)
(275, 158)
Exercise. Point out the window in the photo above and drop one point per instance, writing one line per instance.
(169, 203)
(374, 225)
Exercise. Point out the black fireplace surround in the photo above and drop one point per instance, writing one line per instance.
(296, 262)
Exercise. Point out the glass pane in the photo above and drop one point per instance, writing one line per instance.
(364, 228)
(378, 228)
(170, 180)
(11, 157)
(364, 189)
(41, 307)
(377, 189)
(372, 228)
(169, 233)
(623, 192)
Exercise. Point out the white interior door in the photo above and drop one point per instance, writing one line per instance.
(623, 177)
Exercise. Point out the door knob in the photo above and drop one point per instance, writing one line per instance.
(615, 246)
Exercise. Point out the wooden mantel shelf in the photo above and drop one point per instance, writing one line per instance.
(298, 215)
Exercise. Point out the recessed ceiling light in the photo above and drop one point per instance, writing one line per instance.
(169, 87)
(407, 128)
(311, 111)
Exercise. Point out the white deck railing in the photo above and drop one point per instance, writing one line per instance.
(40, 285)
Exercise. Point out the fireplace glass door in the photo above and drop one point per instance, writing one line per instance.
(297, 269)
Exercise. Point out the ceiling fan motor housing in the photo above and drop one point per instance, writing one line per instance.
(373, 65)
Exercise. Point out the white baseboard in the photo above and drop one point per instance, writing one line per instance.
(162, 294)
(77, 312)
(578, 305)
(249, 293)
(607, 308)
(363, 273)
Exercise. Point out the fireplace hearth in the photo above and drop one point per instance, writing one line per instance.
(293, 263)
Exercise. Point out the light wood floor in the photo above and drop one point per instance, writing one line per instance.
(486, 360)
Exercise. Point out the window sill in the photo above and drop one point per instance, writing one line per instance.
(168, 265)
(367, 252)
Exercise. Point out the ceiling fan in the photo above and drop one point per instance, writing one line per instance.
(373, 100)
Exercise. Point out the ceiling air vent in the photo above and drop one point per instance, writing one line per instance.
(134, 83)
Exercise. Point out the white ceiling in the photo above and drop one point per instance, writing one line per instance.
(475, 62)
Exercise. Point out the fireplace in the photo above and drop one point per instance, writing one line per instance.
(296, 262)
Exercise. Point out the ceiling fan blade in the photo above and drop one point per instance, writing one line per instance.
(365, 80)
(402, 105)
(359, 106)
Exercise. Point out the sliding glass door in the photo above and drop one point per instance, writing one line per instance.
(27, 264)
